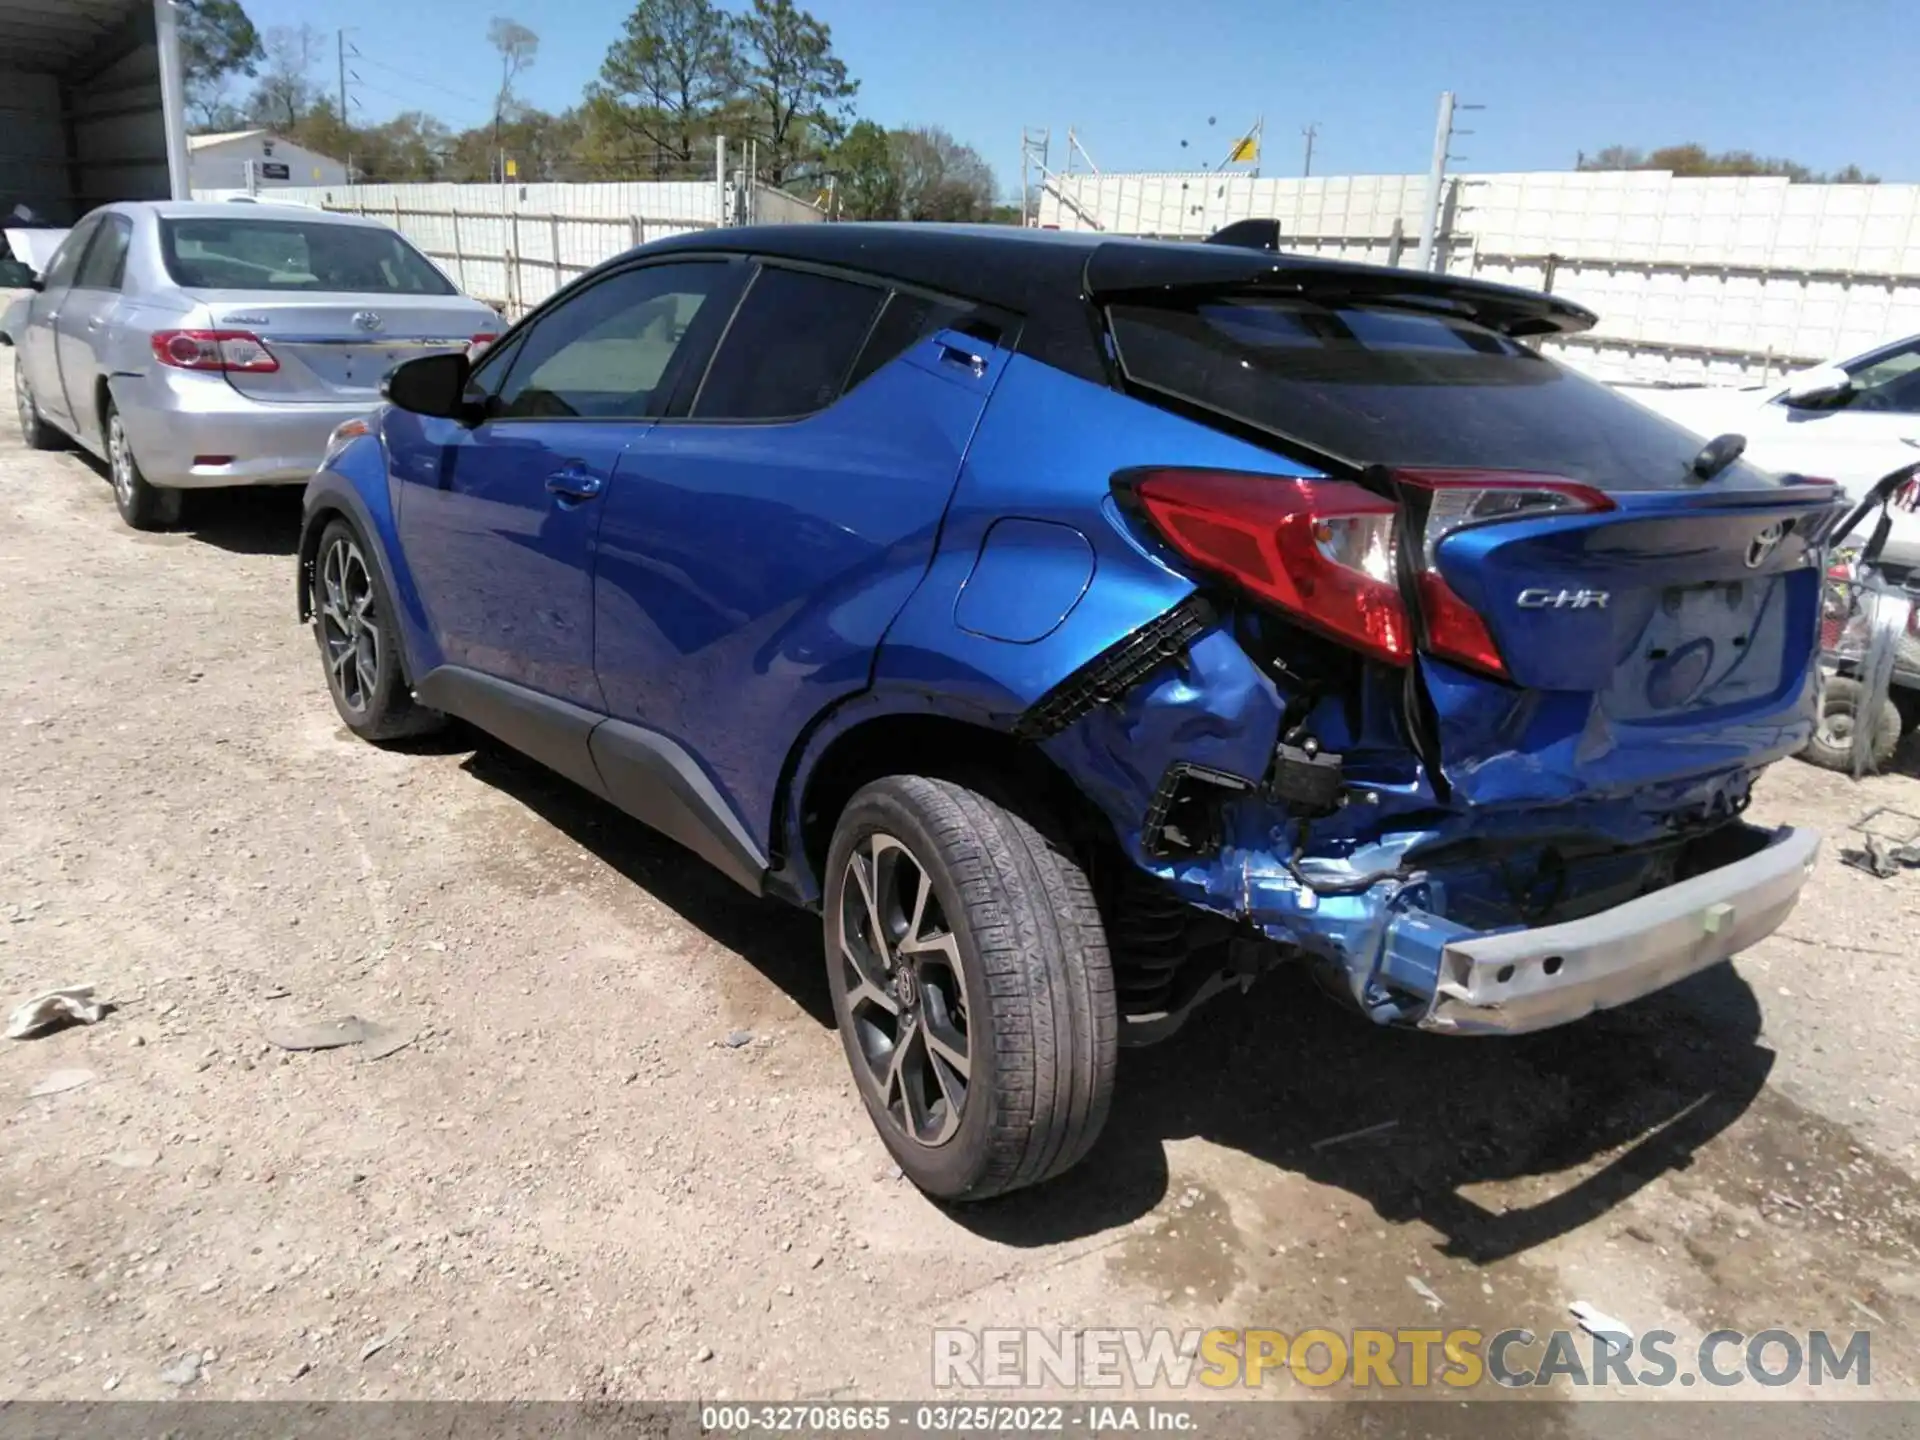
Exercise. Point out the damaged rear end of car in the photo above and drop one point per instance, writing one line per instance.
(1476, 666)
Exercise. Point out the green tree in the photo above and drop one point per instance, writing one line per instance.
(867, 187)
(1696, 160)
(668, 77)
(217, 42)
(796, 88)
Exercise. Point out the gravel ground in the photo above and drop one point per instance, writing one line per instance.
(570, 1183)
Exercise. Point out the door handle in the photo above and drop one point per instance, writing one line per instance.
(956, 355)
(575, 483)
(95, 323)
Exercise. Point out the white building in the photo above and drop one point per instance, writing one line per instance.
(219, 162)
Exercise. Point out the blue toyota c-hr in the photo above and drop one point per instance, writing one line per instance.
(1082, 625)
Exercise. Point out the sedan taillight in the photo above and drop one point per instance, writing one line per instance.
(214, 350)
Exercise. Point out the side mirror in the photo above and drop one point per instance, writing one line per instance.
(1821, 383)
(36, 282)
(432, 385)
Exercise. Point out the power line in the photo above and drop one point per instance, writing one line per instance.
(419, 80)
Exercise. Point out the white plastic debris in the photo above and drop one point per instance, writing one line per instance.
(1616, 1335)
(76, 1004)
(1424, 1291)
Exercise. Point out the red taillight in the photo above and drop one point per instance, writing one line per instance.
(1326, 551)
(1322, 550)
(479, 343)
(214, 350)
(1443, 502)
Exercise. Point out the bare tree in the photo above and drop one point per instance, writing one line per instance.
(517, 46)
(287, 91)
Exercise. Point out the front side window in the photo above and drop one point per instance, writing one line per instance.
(790, 347)
(1890, 382)
(66, 260)
(608, 352)
(295, 255)
(106, 262)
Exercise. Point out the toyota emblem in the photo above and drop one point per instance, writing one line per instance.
(367, 320)
(1764, 544)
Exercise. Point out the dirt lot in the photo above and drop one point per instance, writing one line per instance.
(570, 1185)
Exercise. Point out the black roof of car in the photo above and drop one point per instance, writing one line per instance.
(1047, 276)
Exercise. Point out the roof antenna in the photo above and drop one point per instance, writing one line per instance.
(1716, 455)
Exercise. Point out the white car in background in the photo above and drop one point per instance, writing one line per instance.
(1851, 420)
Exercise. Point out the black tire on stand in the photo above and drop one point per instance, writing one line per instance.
(1831, 747)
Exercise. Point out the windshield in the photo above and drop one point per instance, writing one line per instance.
(223, 254)
(1397, 387)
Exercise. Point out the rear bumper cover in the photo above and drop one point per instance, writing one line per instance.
(1515, 981)
(174, 417)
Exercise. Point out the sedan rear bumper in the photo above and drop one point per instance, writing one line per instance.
(1521, 980)
(178, 419)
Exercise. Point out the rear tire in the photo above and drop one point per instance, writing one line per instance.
(35, 433)
(971, 984)
(356, 627)
(1832, 745)
(141, 505)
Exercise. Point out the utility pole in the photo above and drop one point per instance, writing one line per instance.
(1436, 177)
(173, 98)
(1310, 132)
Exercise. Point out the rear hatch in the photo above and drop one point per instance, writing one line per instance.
(1582, 610)
(336, 303)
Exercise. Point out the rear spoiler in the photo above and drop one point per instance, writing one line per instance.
(1143, 270)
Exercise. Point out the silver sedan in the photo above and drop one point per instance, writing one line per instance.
(197, 345)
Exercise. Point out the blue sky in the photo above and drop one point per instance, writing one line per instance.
(1825, 84)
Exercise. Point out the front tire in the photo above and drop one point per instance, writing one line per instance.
(35, 433)
(141, 505)
(355, 626)
(1832, 745)
(972, 987)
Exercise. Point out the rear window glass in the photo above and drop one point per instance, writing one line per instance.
(223, 254)
(1375, 386)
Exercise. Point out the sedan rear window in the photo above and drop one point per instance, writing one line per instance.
(223, 254)
(1396, 387)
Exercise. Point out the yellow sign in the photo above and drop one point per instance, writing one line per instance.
(1245, 149)
(513, 168)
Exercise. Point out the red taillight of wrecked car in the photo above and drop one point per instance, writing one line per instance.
(1327, 551)
(1320, 550)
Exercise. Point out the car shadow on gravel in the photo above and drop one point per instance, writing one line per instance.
(255, 520)
(1582, 1117)
(778, 940)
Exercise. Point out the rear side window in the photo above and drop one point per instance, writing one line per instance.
(1389, 387)
(790, 347)
(106, 262)
(907, 320)
(223, 254)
